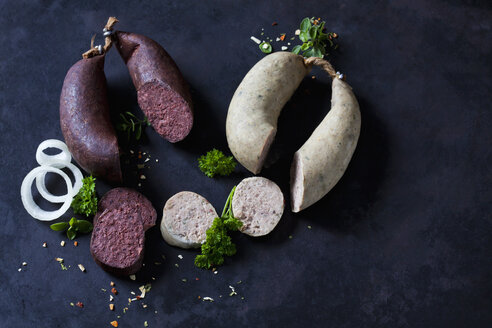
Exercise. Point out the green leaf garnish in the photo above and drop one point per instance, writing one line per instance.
(314, 39)
(73, 226)
(85, 202)
(218, 243)
(60, 226)
(130, 124)
(216, 163)
(265, 47)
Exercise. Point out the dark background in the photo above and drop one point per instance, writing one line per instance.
(403, 240)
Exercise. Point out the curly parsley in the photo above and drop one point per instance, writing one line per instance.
(218, 244)
(216, 163)
(85, 202)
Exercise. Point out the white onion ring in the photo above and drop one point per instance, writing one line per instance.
(43, 191)
(57, 160)
(27, 200)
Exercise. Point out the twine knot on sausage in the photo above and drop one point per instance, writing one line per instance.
(108, 40)
(324, 65)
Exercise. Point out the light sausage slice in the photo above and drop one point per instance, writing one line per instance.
(324, 157)
(259, 204)
(185, 220)
(251, 122)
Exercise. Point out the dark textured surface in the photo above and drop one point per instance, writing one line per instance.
(403, 240)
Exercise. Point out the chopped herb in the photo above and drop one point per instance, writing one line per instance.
(146, 324)
(216, 163)
(63, 266)
(265, 47)
(74, 226)
(314, 38)
(218, 244)
(129, 124)
(85, 202)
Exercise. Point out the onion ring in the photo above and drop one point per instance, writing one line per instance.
(43, 191)
(57, 160)
(27, 200)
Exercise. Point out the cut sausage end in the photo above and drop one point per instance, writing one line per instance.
(259, 204)
(296, 184)
(185, 220)
(168, 112)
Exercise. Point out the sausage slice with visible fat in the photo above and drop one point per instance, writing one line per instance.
(185, 219)
(259, 204)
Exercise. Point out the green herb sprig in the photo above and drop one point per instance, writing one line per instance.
(73, 226)
(129, 124)
(85, 202)
(314, 38)
(216, 163)
(218, 243)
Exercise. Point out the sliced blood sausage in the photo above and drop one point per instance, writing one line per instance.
(162, 92)
(118, 196)
(118, 238)
(118, 241)
(85, 120)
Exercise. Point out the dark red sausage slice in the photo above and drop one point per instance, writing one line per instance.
(118, 196)
(163, 94)
(118, 238)
(85, 120)
(118, 241)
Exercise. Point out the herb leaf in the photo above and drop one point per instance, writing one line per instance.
(84, 226)
(71, 233)
(216, 163)
(129, 124)
(85, 202)
(314, 39)
(60, 226)
(218, 243)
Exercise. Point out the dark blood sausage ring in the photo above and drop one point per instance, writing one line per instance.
(84, 114)
(118, 238)
(162, 92)
(85, 120)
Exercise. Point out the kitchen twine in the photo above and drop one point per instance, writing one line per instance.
(108, 41)
(324, 65)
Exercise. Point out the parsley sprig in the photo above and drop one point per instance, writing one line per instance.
(218, 243)
(216, 163)
(129, 124)
(85, 202)
(314, 38)
(73, 226)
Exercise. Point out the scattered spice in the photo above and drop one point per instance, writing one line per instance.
(63, 266)
(24, 263)
(45, 245)
(146, 324)
(183, 280)
(233, 291)
(62, 243)
(309, 227)
(114, 291)
(59, 259)
(81, 267)
(274, 24)
(111, 307)
(19, 269)
(144, 305)
(71, 304)
(132, 277)
(114, 323)
(80, 304)
(157, 263)
(180, 256)
(76, 243)
(176, 265)
(103, 289)
(111, 298)
(206, 298)
(282, 37)
(142, 177)
(290, 237)
(111, 284)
